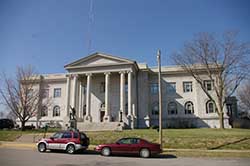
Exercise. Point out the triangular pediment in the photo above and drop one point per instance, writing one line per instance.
(98, 59)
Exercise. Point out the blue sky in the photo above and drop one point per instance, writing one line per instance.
(51, 33)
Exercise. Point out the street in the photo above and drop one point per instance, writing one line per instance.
(25, 157)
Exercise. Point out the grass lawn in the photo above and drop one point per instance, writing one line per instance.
(12, 135)
(238, 139)
(183, 138)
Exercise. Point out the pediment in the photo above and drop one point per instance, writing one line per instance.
(98, 59)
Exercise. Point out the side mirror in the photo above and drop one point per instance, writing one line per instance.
(52, 138)
(117, 143)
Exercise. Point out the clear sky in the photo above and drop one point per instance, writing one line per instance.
(51, 33)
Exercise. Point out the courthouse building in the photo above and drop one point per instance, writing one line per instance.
(110, 92)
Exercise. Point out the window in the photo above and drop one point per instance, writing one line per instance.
(58, 135)
(172, 108)
(187, 87)
(84, 89)
(209, 84)
(102, 87)
(210, 107)
(56, 111)
(154, 88)
(189, 107)
(44, 111)
(75, 135)
(30, 93)
(126, 88)
(67, 135)
(45, 93)
(155, 109)
(57, 92)
(171, 87)
(125, 141)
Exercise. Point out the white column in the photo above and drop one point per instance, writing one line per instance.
(122, 94)
(88, 99)
(68, 94)
(74, 96)
(80, 115)
(107, 104)
(129, 93)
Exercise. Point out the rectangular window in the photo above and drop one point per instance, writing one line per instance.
(209, 84)
(57, 92)
(171, 87)
(154, 88)
(187, 87)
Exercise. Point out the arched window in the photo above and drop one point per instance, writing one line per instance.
(210, 107)
(155, 108)
(56, 111)
(44, 111)
(172, 108)
(189, 107)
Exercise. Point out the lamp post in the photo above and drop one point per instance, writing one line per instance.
(160, 96)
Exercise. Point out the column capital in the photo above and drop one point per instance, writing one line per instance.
(122, 72)
(107, 73)
(88, 74)
(130, 71)
(72, 75)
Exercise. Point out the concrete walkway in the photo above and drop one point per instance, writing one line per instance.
(28, 141)
(29, 145)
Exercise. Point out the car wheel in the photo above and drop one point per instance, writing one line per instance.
(70, 149)
(106, 151)
(145, 153)
(42, 147)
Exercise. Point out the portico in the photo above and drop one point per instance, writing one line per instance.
(100, 87)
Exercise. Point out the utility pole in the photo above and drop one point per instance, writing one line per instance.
(160, 96)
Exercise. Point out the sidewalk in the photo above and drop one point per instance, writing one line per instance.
(26, 145)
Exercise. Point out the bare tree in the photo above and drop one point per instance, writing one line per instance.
(244, 97)
(23, 94)
(224, 61)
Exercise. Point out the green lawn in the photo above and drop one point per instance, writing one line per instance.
(183, 138)
(12, 135)
(172, 138)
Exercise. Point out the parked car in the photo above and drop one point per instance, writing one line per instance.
(6, 124)
(138, 146)
(70, 141)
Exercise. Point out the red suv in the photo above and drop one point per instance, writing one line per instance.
(70, 141)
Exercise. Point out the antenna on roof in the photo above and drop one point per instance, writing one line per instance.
(90, 24)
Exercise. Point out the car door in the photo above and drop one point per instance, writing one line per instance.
(122, 146)
(66, 137)
(54, 142)
(135, 145)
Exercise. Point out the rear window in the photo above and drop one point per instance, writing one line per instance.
(83, 136)
(75, 135)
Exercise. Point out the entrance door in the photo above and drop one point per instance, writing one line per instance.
(102, 115)
(102, 111)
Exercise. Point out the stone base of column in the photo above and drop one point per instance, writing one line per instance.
(106, 118)
(130, 121)
(87, 118)
(147, 121)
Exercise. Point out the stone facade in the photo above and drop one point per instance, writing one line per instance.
(105, 89)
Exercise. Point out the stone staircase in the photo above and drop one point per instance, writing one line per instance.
(100, 126)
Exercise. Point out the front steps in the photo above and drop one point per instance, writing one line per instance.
(100, 126)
